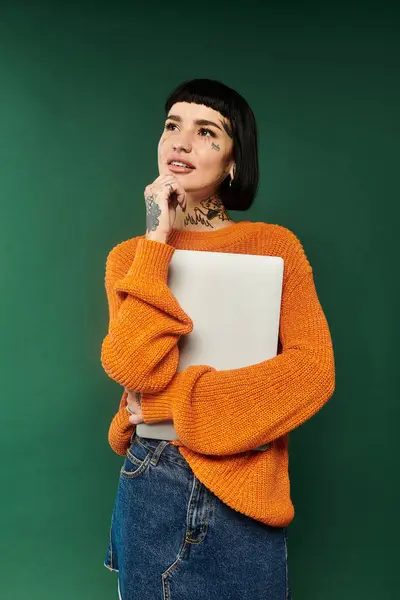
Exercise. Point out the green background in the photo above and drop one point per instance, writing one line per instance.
(82, 88)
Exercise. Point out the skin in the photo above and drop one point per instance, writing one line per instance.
(210, 149)
(198, 206)
(133, 402)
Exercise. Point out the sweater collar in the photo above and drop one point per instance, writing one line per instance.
(202, 240)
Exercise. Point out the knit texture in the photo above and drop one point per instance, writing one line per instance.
(219, 416)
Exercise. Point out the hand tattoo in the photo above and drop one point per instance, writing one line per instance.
(153, 211)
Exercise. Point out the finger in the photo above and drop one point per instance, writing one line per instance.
(160, 183)
(130, 407)
(135, 419)
(179, 191)
(174, 201)
(155, 184)
(172, 182)
(133, 406)
(162, 179)
(181, 197)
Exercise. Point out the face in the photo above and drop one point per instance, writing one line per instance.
(202, 137)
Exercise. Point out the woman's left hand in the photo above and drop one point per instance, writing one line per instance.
(133, 403)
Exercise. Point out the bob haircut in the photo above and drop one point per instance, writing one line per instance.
(218, 96)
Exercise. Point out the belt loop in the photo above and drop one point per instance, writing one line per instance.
(158, 451)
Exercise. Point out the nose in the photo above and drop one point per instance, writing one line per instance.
(182, 143)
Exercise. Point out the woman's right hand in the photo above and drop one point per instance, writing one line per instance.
(162, 197)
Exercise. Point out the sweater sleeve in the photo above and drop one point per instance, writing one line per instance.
(233, 411)
(121, 429)
(145, 320)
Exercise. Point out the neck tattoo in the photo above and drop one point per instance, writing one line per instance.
(209, 209)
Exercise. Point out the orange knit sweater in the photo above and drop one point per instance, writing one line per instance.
(219, 416)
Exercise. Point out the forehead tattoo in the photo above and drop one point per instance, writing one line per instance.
(227, 130)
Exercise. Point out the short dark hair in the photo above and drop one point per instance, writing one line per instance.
(218, 96)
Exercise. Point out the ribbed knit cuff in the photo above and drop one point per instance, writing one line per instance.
(121, 420)
(151, 260)
(155, 408)
(120, 432)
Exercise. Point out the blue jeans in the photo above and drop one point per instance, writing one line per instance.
(173, 539)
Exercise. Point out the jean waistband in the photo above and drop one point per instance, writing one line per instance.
(159, 447)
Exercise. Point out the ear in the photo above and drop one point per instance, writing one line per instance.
(232, 171)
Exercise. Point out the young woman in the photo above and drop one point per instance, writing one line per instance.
(205, 517)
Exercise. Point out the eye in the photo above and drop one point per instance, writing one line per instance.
(170, 127)
(212, 134)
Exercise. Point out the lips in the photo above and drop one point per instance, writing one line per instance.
(178, 159)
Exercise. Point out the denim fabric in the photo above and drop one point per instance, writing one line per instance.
(173, 539)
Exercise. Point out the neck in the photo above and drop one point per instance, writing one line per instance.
(202, 215)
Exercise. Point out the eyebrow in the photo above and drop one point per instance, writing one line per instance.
(196, 121)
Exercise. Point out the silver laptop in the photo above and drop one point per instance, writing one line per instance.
(234, 301)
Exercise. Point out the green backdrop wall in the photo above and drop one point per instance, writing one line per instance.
(82, 88)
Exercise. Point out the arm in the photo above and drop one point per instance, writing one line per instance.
(145, 320)
(232, 411)
(121, 429)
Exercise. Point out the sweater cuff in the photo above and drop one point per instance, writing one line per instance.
(120, 432)
(121, 420)
(155, 408)
(151, 261)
